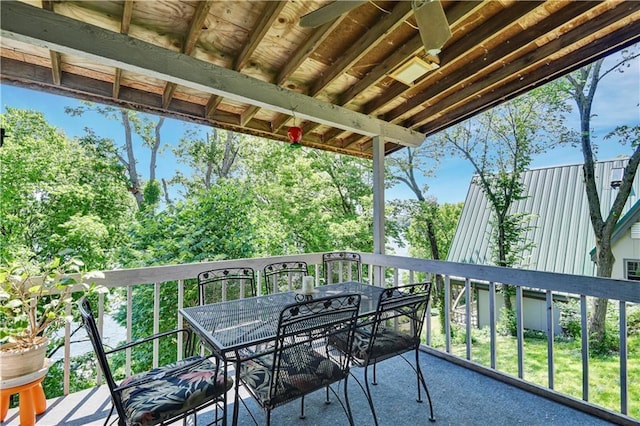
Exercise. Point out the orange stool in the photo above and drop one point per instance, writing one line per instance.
(30, 394)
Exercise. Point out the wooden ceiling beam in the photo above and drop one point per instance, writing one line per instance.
(362, 46)
(269, 15)
(125, 24)
(455, 52)
(189, 43)
(505, 55)
(301, 54)
(212, 105)
(317, 37)
(248, 114)
(42, 28)
(399, 56)
(514, 84)
(37, 77)
(56, 66)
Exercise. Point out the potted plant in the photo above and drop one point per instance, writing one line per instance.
(34, 303)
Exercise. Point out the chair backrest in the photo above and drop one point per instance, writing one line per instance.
(341, 266)
(399, 315)
(303, 361)
(90, 326)
(284, 276)
(218, 285)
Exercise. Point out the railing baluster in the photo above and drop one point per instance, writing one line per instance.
(156, 321)
(492, 322)
(623, 358)
(519, 331)
(180, 319)
(447, 313)
(67, 354)
(467, 311)
(100, 330)
(127, 364)
(584, 332)
(550, 338)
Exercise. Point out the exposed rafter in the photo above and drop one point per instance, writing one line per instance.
(250, 66)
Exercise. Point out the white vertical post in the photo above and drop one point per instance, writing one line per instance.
(378, 203)
(156, 322)
(180, 319)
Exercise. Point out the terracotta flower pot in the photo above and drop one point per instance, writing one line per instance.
(21, 361)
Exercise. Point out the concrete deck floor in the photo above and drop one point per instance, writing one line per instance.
(460, 397)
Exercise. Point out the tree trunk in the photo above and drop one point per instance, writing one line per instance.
(135, 187)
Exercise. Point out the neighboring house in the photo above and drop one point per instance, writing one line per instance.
(561, 232)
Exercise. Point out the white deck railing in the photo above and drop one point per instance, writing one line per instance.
(399, 270)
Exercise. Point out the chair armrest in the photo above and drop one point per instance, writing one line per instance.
(151, 338)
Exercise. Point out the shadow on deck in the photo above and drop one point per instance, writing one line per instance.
(460, 397)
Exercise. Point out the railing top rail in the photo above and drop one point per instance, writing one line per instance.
(610, 288)
(628, 291)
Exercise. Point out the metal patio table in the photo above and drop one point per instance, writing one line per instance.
(230, 328)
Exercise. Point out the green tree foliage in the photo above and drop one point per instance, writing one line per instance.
(215, 224)
(58, 194)
(145, 127)
(215, 156)
(311, 200)
(445, 217)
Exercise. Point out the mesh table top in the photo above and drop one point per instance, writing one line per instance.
(231, 326)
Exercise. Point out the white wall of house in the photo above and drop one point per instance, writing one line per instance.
(626, 248)
(534, 312)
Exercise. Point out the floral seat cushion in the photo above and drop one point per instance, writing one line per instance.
(170, 390)
(387, 342)
(302, 370)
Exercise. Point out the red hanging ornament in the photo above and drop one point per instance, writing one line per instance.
(295, 134)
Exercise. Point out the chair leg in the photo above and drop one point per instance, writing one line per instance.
(109, 416)
(346, 400)
(302, 407)
(375, 381)
(268, 418)
(369, 398)
(424, 385)
(327, 401)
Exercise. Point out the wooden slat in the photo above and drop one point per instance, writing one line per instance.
(407, 50)
(626, 36)
(125, 24)
(269, 14)
(305, 49)
(248, 114)
(451, 56)
(195, 28)
(56, 69)
(390, 22)
(479, 66)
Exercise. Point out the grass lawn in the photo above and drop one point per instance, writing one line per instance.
(604, 372)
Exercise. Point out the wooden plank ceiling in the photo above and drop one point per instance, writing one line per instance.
(249, 66)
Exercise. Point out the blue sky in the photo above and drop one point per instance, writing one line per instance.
(617, 102)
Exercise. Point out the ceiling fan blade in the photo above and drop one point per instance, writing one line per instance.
(433, 25)
(328, 13)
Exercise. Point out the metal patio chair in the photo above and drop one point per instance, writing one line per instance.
(164, 394)
(223, 284)
(341, 266)
(284, 276)
(301, 361)
(394, 330)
